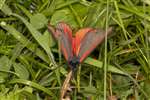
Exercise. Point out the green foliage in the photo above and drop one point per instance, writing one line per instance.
(30, 63)
(38, 21)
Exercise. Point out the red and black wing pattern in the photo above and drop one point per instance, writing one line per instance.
(82, 44)
(77, 40)
(87, 39)
(63, 33)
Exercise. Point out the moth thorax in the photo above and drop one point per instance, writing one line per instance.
(74, 62)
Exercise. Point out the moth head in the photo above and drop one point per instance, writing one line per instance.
(74, 62)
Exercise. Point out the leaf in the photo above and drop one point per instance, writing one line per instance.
(61, 3)
(52, 42)
(147, 86)
(21, 70)
(24, 10)
(5, 66)
(37, 35)
(48, 11)
(99, 64)
(89, 91)
(22, 39)
(137, 12)
(147, 1)
(33, 84)
(94, 14)
(63, 16)
(47, 39)
(2, 2)
(38, 20)
(81, 10)
(6, 10)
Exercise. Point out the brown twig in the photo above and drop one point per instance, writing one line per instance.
(65, 85)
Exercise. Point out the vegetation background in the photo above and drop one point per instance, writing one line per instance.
(32, 68)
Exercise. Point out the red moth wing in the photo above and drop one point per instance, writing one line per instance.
(63, 33)
(88, 40)
(77, 40)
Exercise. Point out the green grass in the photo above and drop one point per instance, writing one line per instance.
(31, 65)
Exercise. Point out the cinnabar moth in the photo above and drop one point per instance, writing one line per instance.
(76, 49)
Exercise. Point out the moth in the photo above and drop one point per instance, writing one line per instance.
(76, 49)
